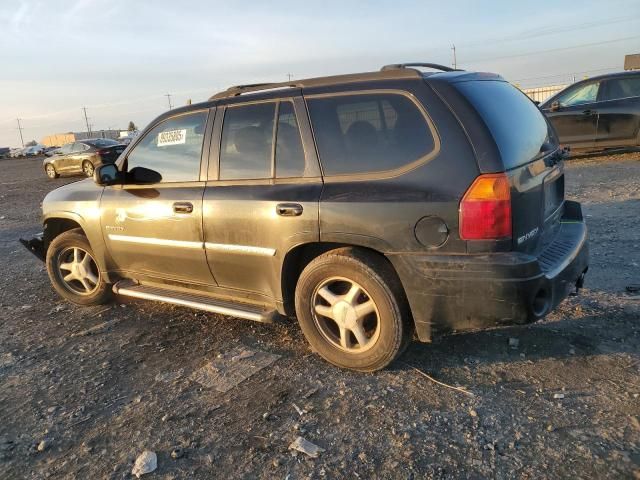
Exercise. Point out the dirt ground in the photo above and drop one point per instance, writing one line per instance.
(83, 391)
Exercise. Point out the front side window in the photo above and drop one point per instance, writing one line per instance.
(247, 142)
(618, 88)
(368, 133)
(584, 94)
(172, 148)
(65, 149)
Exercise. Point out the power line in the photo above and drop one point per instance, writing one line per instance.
(554, 49)
(20, 130)
(604, 69)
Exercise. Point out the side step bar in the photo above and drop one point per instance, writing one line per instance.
(128, 288)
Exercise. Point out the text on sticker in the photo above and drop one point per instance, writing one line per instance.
(172, 137)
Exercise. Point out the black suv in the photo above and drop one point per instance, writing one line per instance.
(371, 206)
(597, 113)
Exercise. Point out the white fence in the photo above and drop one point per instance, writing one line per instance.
(540, 94)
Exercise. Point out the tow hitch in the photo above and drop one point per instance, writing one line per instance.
(35, 246)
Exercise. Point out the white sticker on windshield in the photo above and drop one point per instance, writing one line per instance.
(172, 137)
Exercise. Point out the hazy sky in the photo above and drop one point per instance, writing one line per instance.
(120, 57)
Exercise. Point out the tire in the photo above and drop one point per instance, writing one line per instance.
(50, 170)
(87, 287)
(87, 168)
(343, 336)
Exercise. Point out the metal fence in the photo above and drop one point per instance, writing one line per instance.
(540, 94)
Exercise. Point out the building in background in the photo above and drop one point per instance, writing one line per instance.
(632, 62)
(59, 139)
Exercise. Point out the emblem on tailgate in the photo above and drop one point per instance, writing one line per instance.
(528, 236)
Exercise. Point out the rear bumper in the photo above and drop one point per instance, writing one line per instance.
(468, 292)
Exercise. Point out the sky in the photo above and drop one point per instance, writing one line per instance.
(119, 58)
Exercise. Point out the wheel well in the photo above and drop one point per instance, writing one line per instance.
(55, 226)
(299, 257)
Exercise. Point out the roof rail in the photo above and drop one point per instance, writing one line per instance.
(395, 66)
(253, 87)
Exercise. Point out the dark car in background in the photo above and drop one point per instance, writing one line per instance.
(5, 152)
(597, 113)
(82, 156)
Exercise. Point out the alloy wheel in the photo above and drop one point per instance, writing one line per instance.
(346, 315)
(87, 168)
(78, 271)
(50, 170)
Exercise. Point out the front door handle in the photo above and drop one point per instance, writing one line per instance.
(183, 207)
(289, 209)
(589, 112)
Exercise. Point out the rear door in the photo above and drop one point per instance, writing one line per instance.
(576, 117)
(262, 196)
(619, 112)
(529, 153)
(155, 231)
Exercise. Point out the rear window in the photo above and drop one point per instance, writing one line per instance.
(515, 122)
(103, 142)
(368, 133)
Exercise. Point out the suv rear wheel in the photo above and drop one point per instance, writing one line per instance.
(74, 271)
(352, 311)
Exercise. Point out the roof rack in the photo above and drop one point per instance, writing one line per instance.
(395, 66)
(253, 87)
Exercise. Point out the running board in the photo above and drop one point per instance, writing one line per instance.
(200, 302)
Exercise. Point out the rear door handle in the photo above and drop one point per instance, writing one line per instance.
(289, 209)
(183, 207)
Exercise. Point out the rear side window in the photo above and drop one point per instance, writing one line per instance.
(368, 133)
(173, 148)
(290, 161)
(618, 88)
(515, 122)
(247, 142)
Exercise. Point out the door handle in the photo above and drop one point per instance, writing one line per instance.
(183, 207)
(589, 112)
(289, 209)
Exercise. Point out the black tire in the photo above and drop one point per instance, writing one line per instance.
(87, 168)
(50, 170)
(66, 244)
(379, 283)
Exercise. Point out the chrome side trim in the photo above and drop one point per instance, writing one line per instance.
(155, 241)
(246, 249)
(232, 312)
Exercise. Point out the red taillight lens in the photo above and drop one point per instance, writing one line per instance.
(485, 210)
(104, 152)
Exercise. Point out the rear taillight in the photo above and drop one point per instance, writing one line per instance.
(485, 210)
(104, 152)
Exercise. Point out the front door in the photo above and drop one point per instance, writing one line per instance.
(576, 117)
(155, 231)
(262, 197)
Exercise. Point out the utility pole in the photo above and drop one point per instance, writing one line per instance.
(168, 95)
(455, 62)
(289, 76)
(20, 130)
(86, 120)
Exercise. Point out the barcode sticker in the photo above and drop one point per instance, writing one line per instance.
(172, 137)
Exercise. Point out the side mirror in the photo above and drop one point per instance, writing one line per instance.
(555, 106)
(107, 174)
(142, 175)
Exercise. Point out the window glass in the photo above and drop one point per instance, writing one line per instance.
(290, 160)
(584, 94)
(66, 148)
(173, 148)
(368, 133)
(247, 142)
(622, 88)
(103, 142)
(515, 122)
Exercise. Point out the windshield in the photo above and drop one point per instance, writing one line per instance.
(515, 122)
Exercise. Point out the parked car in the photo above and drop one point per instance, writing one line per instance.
(50, 151)
(82, 156)
(17, 152)
(371, 206)
(598, 113)
(4, 152)
(34, 150)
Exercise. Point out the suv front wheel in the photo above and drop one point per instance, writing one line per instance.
(352, 311)
(73, 270)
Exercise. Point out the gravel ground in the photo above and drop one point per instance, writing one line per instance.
(84, 391)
